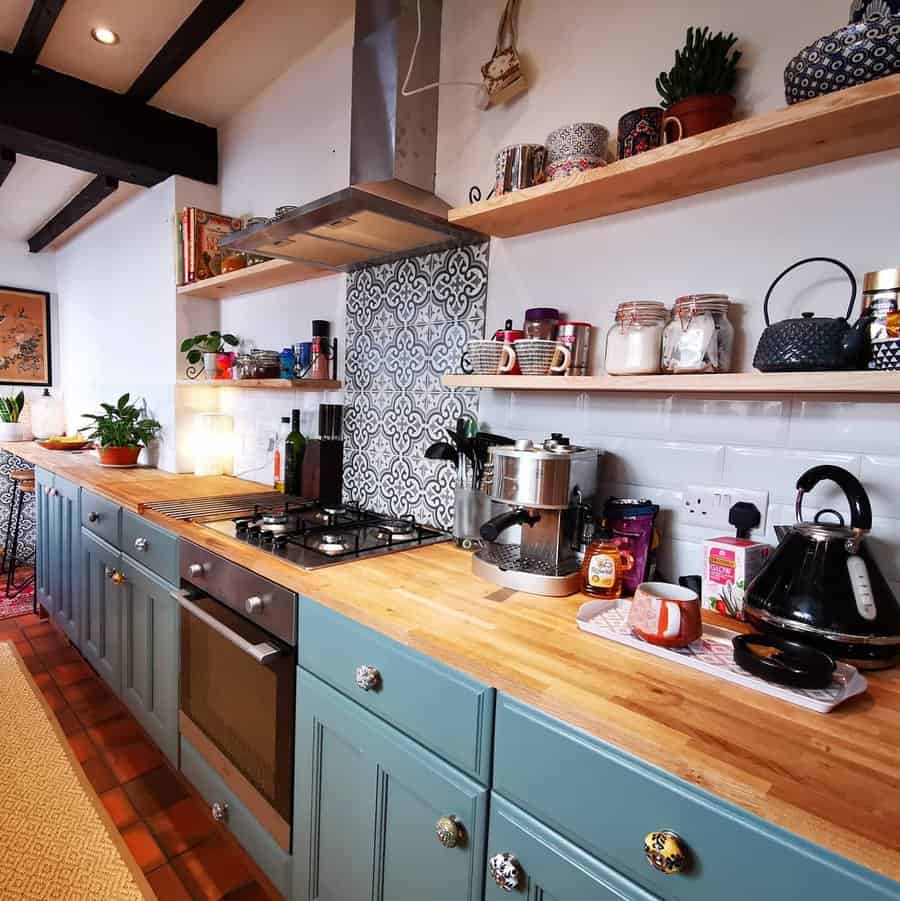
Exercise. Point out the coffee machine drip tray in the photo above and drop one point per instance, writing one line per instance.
(504, 564)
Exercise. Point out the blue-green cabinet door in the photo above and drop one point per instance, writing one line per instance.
(150, 654)
(65, 581)
(43, 485)
(367, 801)
(101, 626)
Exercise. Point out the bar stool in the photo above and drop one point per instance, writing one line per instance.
(17, 476)
(12, 590)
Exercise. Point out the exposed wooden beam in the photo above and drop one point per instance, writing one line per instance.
(7, 161)
(37, 28)
(194, 32)
(79, 206)
(55, 117)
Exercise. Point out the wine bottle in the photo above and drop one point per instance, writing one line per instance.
(294, 450)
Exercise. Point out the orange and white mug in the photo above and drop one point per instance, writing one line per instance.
(666, 615)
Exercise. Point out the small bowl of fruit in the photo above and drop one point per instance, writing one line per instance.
(66, 443)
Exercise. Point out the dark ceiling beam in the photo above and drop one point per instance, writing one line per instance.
(7, 161)
(37, 29)
(78, 207)
(194, 32)
(64, 120)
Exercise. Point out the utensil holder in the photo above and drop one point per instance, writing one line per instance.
(471, 508)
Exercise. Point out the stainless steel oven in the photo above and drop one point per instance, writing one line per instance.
(238, 678)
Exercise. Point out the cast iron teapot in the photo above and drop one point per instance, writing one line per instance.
(812, 343)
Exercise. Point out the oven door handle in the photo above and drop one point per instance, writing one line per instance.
(261, 653)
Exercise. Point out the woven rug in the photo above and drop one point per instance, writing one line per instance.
(57, 842)
(22, 602)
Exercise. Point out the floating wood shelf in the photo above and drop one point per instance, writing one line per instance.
(848, 123)
(880, 383)
(277, 384)
(270, 274)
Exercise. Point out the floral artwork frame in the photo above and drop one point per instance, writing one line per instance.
(25, 338)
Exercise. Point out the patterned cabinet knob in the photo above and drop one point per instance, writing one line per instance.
(93, 516)
(108, 571)
(367, 677)
(140, 544)
(505, 871)
(219, 811)
(449, 831)
(666, 852)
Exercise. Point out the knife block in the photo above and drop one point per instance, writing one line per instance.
(323, 471)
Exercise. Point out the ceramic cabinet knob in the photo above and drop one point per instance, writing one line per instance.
(93, 517)
(367, 677)
(117, 577)
(505, 871)
(666, 852)
(140, 544)
(449, 832)
(219, 811)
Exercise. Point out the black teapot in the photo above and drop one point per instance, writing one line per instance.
(813, 343)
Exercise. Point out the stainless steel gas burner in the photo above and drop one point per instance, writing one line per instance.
(332, 544)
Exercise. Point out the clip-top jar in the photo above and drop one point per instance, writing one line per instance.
(634, 342)
(700, 337)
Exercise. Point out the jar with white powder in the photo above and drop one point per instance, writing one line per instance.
(700, 337)
(634, 343)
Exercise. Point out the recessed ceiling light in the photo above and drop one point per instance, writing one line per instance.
(103, 35)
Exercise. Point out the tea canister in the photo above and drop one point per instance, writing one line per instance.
(541, 322)
(881, 296)
(634, 342)
(700, 338)
(577, 337)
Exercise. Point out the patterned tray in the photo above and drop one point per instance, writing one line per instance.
(712, 654)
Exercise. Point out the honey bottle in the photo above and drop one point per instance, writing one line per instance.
(605, 563)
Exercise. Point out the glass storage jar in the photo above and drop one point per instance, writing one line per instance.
(634, 342)
(541, 322)
(700, 337)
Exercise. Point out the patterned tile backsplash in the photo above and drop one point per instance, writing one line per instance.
(407, 324)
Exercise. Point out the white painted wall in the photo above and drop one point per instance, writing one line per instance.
(594, 61)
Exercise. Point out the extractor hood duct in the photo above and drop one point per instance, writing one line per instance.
(388, 210)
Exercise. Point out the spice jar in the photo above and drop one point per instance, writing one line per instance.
(881, 296)
(265, 364)
(634, 342)
(699, 338)
(541, 322)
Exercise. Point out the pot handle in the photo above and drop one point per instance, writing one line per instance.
(838, 263)
(491, 530)
(860, 507)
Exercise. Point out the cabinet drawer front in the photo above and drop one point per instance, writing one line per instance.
(150, 546)
(271, 859)
(549, 866)
(606, 802)
(443, 709)
(101, 516)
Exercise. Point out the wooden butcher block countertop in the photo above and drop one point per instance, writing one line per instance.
(833, 779)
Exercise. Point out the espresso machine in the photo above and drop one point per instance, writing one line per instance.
(546, 492)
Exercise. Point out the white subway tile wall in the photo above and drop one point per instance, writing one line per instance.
(655, 446)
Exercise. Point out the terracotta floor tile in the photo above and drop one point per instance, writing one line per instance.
(59, 656)
(71, 673)
(212, 870)
(168, 887)
(130, 761)
(90, 691)
(47, 644)
(252, 892)
(143, 847)
(122, 730)
(54, 698)
(155, 791)
(120, 809)
(42, 680)
(23, 645)
(34, 663)
(38, 629)
(82, 746)
(68, 721)
(106, 709)
(179, 827)
(100, 775)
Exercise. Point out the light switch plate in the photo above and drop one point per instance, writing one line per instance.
(707, 505)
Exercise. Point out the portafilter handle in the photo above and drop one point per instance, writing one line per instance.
(491, 530)
(860, 506)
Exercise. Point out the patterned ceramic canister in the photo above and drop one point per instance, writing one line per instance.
(867, 10)
(886, 355)
(520, 166)
(570, 164)
(577, 139)
(539, 357)
(645, 129)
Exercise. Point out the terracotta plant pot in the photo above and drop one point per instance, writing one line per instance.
(119, 456)
(703, 113)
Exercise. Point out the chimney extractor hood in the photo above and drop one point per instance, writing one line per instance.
(389, 209)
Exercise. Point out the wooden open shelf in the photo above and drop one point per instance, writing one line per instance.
(837, 383)
(270, 274)
(848, 123)
(277, 384)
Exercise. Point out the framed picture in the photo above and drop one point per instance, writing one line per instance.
(24, 337)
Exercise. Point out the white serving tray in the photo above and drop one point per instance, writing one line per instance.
(713, 654)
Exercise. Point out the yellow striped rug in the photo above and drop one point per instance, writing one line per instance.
(57, 842)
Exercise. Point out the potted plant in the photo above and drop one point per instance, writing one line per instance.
(210, 348)
(10, 410)
(697, 91)
(121, 431)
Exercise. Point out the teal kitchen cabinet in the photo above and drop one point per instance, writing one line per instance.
(367, 804)
(101, 620)
(150, 642)
(43, 483)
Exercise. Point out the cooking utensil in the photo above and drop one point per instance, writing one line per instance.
(441, 450)
(783, 662)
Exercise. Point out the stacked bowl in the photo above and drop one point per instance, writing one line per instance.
(576, 148)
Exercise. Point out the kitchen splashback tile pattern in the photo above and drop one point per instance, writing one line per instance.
(407, 324)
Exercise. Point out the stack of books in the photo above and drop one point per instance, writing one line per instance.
(197, 252)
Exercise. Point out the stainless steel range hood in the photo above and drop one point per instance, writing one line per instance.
(389, 209)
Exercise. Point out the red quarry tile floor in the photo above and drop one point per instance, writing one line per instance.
(166, 825)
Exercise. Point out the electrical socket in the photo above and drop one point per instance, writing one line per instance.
(705, 505)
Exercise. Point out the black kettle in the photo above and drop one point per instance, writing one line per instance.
(813, 343)
(822, 587)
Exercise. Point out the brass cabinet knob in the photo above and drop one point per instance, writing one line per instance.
(666, 852)
(449, 831)
(367, 677)
(505, 871)
(93, 517)
(141, 544)
(219, 811)
(117, 577)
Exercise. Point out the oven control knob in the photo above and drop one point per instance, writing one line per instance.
(219, 811)
(253, 605)
(196, 569)
(367, 677)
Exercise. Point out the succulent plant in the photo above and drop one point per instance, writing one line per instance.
(707, 64)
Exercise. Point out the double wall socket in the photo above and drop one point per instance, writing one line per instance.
(706, 505)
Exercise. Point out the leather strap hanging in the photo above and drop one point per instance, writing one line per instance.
(503, 76)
